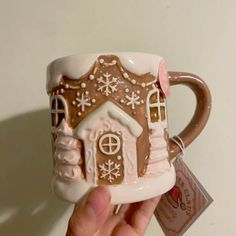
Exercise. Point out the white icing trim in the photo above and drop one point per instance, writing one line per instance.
(77, 65)
(144, 188)
(108, 109)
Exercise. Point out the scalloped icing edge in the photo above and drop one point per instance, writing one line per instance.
(77, 65)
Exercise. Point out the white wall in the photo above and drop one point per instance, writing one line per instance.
(193, 36)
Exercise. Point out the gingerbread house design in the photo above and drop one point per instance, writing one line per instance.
(109, 126)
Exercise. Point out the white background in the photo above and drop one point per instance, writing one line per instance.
(197, 36)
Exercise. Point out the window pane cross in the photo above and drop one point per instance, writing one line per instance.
(158, 104)
(56, 110)
(111, 142)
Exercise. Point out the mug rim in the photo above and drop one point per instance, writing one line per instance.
(124, 53)
(77, 65)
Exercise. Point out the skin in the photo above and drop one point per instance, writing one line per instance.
(94, 216)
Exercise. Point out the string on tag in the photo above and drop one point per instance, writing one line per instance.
(179, 142)
(117, 209)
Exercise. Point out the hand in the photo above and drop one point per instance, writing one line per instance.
(93, 216)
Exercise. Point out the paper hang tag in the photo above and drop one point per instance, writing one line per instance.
(183, 204)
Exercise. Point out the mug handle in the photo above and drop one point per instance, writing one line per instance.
(202, 110)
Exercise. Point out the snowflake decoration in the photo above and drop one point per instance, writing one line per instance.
(133, 100)
(81, 101)
(109, 170)
(107, 84)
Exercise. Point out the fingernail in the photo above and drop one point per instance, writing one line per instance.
(97, 201)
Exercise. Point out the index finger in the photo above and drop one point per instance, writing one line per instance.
(143, 214)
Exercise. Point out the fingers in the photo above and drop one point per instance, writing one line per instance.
(90, 213)
(142, 216)
(134, 218)
(124, 229)
(123, 210)
(112, 221)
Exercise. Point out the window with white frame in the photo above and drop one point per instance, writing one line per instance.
(109, 144)
(156, 106)
(58, 112)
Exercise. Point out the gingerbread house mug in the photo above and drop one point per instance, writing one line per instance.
(109, 124)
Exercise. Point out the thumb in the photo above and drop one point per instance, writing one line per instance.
(90, 213)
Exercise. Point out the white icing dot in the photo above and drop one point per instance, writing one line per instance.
(133, 81)
(138, 92)
(142, 101)
(67, 86)
(73, 102)
(86, 92)
(114, 62)
(143, 85)
(83, 85)
(91, 77)
(126, 76)
(77, 93)
(79, 113)
(101, 61)
(93, 100)
(62, 90)
(126, 90)
(122, 100)
(118, 157)
(61, 83)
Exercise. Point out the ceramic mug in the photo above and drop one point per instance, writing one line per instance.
(109, 124)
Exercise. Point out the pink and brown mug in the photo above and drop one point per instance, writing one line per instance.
(109, 124)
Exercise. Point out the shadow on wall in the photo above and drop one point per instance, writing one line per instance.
(27, 206)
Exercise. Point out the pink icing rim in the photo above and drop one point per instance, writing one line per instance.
(163, 77)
